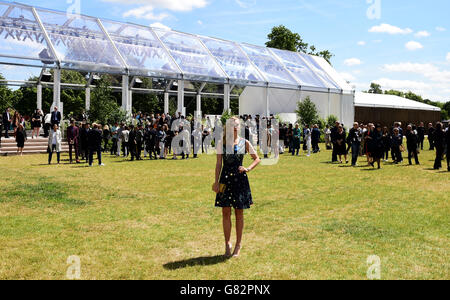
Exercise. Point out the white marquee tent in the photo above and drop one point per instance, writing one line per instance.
(274, 79)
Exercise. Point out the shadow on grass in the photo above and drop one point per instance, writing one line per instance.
(192, 262)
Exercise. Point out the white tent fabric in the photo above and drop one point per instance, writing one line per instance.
(390, 101)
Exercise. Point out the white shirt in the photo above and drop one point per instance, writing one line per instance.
(54, 137)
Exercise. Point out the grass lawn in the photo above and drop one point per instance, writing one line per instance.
(156, 220)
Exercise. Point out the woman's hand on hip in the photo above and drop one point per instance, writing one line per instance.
(243, 170)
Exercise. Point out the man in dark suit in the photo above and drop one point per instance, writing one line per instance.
(73, 133)
(132, 142)
(56, 117)
(94, 138)
(6, 122)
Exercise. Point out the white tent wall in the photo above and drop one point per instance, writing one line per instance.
(252, 102)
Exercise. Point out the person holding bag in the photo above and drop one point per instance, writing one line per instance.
(231, 186)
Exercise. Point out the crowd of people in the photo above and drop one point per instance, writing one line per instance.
(152, 136)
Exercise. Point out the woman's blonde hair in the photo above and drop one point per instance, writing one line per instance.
(224, 131)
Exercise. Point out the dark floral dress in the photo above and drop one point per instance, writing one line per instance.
(235, 189)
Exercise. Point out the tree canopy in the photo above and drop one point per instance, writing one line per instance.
(307, 112)
(283, 38)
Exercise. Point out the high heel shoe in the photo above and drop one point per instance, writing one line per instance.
(237, 251)
(228, 248)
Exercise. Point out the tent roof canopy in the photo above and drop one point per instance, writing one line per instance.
(47, 38)
(390, 101)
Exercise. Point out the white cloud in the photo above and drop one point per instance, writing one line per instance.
(390, 29)
(352, 62)
(422, 34)
(200, 22)
(361, 43)
(145, 12)
(441, 29)
(147, 8)
(159, 25)
(429, 71)
(448, 57)
(413, 45)
(173, 5)
(246, 3)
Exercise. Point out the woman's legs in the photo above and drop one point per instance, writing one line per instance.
(239, 230)
(226, 221)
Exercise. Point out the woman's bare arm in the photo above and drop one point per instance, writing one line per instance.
(254, 155)
(216, 184)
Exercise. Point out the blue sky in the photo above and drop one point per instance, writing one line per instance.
(401, 44)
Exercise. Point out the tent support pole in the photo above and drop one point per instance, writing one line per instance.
(267, 108)
(166, 103)
(39, 96)
(226, 97)
(88, 99)
(56, 89)
(125, 92)
(180, 106)
(198, 111)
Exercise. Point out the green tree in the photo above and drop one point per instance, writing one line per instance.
(375, 89)
(307, 112)
(283, 38)
(331, 120)
(6, 99)
(104, 108)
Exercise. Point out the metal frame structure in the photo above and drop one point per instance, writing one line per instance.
(49, 39)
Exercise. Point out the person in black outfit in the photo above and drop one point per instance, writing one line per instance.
(412, 142)
(376, 146)
(150, 142)
(447, 139)
(139, 141)
(132, 142)
(6, 122)
(397, 142)
(315, 139)
(21, 137)
(354, 139)
(94, 138)
(56, 117)
(431, 136)
(334, 131)
(387, 143)
(84, 141)
(421, 134)
(438, 140)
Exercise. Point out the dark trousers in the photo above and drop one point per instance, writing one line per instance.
(46, 129)
(421, 140)
(6, 127)
(355, 152)
(114, 146)
(315, 146)
(431, 144)
(133, 151)
(73, 147)
(397, 154)
(151, 149)
(411, 153)
(91, 156)
(138, 150)
(105, 144)
(334, 157)
(386, 154)
(448, 158)
(50, 154)
(438, 161)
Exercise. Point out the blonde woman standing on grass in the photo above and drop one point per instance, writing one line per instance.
(232, 186)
